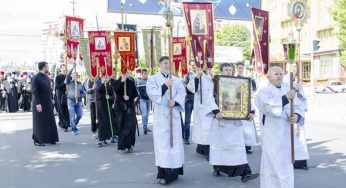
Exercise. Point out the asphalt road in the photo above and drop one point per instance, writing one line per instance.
(77, 162)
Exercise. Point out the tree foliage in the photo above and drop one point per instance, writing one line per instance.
(339, 15)
(237, 36)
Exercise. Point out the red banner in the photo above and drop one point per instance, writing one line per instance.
(260, 21)
(73, 32)
(125, 44)
(179, 55)
(100, 53)
(200, 23)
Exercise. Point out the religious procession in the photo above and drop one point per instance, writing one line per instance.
(202, 93)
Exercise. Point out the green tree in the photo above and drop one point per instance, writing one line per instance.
(236, 35)
(339, 15)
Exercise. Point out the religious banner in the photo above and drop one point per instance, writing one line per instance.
(298, 11)
(125, 44)
(152, 37)
(133, 28)
(100, 53)
(260, 21)
(199, 20)
(179, 55)
(85, 54)
(73, 32)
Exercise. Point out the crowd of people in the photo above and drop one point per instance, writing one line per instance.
(113, 102)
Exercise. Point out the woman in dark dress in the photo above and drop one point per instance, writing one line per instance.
(125, 108)
(105, 100)
(44, 125)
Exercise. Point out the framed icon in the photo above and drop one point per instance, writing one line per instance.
(124, 44)
(199, 22)
(233, 96)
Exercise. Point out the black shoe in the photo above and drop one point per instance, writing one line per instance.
(65, 130)
(38, 144)
(113, 140)
(216, 173)
(53, 143)
(105, 142)
(99, 144)
(145, 132)
(249, 177)
(186, 142)
(248, 152)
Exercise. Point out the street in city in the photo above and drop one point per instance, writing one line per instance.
(76, 161)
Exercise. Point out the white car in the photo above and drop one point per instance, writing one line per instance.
(331, 87)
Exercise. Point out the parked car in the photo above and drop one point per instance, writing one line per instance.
(331, 87)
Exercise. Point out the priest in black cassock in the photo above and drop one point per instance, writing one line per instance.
(125, 108)
(44, 126)
(61, 99)
(105, 100)
(12, 94)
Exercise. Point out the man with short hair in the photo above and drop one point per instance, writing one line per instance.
(44, 126)
(75, 107)
(227, 151)
(144, 100)
(168, 159)
(188, 102)
(273, 102)
(61, 99)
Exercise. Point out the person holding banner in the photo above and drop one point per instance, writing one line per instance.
(74, 103)
(202, 123)
(273, 101)
(227, 151)
(300, 146)
(168, 159)
(61, 99)
(126, 92)
(105, 92)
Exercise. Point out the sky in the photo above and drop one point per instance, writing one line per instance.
(22, 23)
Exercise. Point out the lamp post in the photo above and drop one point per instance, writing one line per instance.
(122, 3)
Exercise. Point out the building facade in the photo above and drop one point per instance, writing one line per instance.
(318, 26)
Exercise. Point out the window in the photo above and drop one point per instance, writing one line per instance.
(326, 67)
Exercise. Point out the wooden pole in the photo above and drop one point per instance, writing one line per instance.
(152, 50)
(169, 25)
(291, 115)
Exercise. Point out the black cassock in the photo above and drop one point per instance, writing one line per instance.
(61, 101)
(126, 113)
(44, 126)
(104, 113)
(12, 95)
(26, 96)
(114, 111)
(2, 96)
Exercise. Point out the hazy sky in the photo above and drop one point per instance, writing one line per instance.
(21, 24)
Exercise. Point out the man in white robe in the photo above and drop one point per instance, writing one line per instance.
(201, 122)
(273, 102)
(300, 146)
(249, 128)
(169, 160)
(227, 146)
